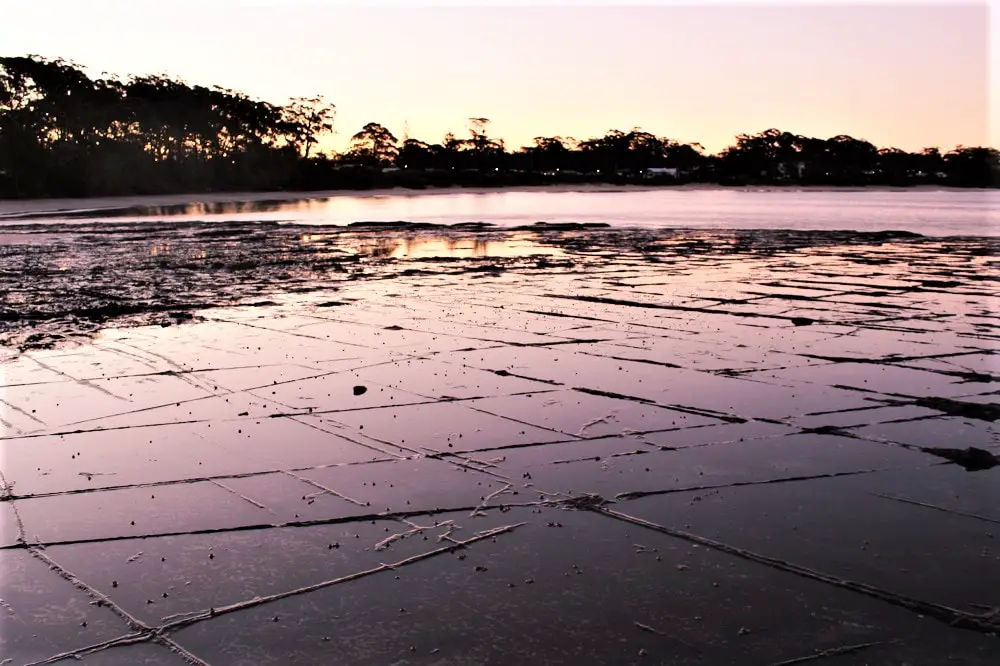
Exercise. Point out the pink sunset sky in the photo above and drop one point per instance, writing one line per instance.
(906, 75)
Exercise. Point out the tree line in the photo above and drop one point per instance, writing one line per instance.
(63, 133)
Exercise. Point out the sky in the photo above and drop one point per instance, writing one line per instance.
(907, 75)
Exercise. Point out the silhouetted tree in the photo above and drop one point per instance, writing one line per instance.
(896, 166)
(63, 133)
(769, 155)
(685, 156)
(606, 154)
(548, 154)
(308, 118)
(931, 160)
(448, 153)
(415, 154)
(484, 152)
(975, 167)
(374, 145)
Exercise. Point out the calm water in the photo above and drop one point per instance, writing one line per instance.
(938, 213)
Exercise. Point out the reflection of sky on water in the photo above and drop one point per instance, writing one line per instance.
(427, 245)
(930, 212)
(417, 248)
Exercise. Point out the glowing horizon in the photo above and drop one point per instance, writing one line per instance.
(905, 76)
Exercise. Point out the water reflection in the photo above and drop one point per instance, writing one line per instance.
(201, 209)
(441, 246)
(939, 212)
(424, 247)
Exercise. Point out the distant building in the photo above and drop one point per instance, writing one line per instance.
(660, 172)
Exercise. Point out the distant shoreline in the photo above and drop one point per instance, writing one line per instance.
(56, 205)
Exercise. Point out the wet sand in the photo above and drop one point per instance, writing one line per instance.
(414, 445)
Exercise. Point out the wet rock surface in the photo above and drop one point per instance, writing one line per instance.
(245, 443)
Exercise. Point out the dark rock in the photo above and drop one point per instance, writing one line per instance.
(969, 410)
(971, 458)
